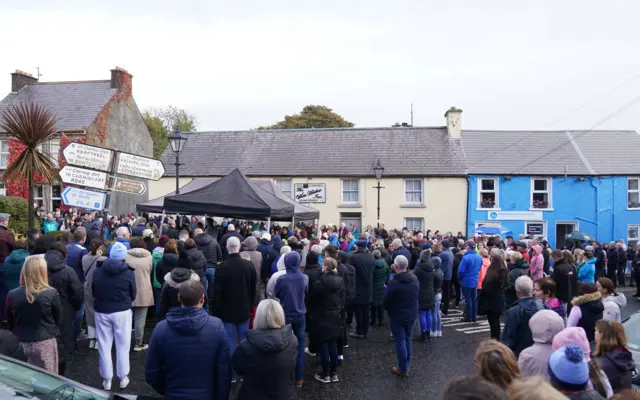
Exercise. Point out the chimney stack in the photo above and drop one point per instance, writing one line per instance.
(454, 126)
(19, 79)
(119, 77)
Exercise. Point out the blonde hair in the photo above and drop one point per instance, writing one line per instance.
(533, 389)
(269, 315)
(331, 265)
(515, 256)
(33, 277)
(612, 336)
(496, 363)
(484, 252)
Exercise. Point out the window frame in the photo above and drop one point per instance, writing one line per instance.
(46, 146)
(7, 153)
(342, 201)
(3, 189)
(405, 225)
(285, 180)
(549, 193)
(629, 191)
(496, 192)
(636, 239)
(414, 191)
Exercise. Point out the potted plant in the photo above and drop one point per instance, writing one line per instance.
(487, 203)
(540, 204)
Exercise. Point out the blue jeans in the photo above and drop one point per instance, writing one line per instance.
(79, 315)
(298, 324)
(209, 274)
(402, 337)
(239, 332)
(156, 301)
(436, 323)
(471, 297)
(425, 320)
(329, 355)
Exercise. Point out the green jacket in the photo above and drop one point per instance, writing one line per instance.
(49, 226)
(380, 277)
(156, 256)
(13, 266)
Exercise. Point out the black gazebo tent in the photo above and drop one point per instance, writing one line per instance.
(157, 205)
(232, 196)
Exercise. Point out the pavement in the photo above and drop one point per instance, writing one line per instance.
(365, 371)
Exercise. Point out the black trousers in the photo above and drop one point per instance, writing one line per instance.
(458, 293)
(621, 273)
(446, 296)
(377, 313)
(611, 274)
(636, 275)
(494, 324)
(349, 311)
(361, 312)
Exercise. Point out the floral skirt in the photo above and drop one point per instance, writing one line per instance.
(43, 354)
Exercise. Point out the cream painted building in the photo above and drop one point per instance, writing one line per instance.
(424, 181)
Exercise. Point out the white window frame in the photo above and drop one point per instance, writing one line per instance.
(39, 200)
(55, 198)
(46, 148)
(496, 191)
(405, 225)
(342, 201)
(635, 239)
(421, 191)
(3, 153)
(282, 183)
(629, 191)
(545, 228)
(3, 189)
(549, 193)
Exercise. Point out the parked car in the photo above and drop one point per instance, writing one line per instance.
(19, 380)
(632, 329)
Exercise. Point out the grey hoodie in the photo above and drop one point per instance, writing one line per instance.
(534, 360)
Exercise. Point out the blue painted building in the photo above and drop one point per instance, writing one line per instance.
(547, 184)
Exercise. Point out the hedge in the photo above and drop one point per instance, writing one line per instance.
(17, 207)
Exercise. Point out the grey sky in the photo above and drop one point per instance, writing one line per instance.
(507, 64)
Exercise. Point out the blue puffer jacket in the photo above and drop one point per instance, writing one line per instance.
(188, 356)
(75, 252)
(113, 287)
(469, 269)
(587, 271)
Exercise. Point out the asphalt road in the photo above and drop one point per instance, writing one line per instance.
(365, 371)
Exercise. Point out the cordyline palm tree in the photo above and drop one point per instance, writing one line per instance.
(31, 125)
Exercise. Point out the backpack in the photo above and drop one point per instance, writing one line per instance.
(350, 283)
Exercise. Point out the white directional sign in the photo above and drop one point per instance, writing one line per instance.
(76, 197)
(84, 155)
(83, 177)
(142, 167)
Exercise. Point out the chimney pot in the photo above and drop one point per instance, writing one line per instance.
(118, 76)
(454, 127)
(19, 79)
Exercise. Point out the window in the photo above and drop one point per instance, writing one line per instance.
(413, 191)
(351, 191)
(488, 193)
(4, 153)
(633, 235)
(3, 189)
(541, 193)
(56, 201)
(52, 148)
(285, 186)
(411, 223)
(633, 191)
(38, 195)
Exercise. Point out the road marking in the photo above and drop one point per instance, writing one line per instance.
(470, 332)
(454, 321)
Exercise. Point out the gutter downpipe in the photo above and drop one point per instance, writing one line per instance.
(466, 227)
(597, 188)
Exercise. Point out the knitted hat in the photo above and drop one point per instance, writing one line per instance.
(471, 244)
(589, 248)
(266, 236)
(573, 335)
(118, 251)
(568, 367)
(427, 246)
(361, 243)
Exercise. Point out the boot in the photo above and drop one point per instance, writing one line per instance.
(424, 336)
(428, 336)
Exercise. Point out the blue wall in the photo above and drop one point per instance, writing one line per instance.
(599, 205)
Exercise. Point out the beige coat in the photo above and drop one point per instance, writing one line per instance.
(141, 261)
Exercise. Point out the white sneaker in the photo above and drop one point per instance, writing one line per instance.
(307, 352)
(341, 358)
(93, 344)
(124, 382)
(106, 385)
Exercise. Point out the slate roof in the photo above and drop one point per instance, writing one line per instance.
(552, 152)
(321, 152)
(75, 104)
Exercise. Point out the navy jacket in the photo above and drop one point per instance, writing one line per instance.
(402, 251)
(517, 334)
(447, 264)
(113, 287)
(188, 356)
(291, 289)
(138, 229)
(75, 252)
(401, 299)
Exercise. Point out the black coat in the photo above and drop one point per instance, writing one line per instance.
(223, 242)
(234, 292)
(65, 280)
(491, 297)
(194, 260)
(613, 258)
(171, 287)
(380, 277)
(619, 366)
(209, 248)
(327, 301)
(172, 233)
(364, 264)
(10, 347)
(33, 322)
(267, 361)
(425, 273)
(167, 263)
(457, 259)
(566, 279)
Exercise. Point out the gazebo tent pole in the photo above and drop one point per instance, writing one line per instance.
(161, 224)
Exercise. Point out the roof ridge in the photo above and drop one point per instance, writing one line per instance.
(581, 155)
(301, 130)
(67, 82)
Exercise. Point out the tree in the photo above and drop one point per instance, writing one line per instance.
(162, 122)
(29, 125)
(312, 117)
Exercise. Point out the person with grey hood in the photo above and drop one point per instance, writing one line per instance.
(534, 360)
(249, 247)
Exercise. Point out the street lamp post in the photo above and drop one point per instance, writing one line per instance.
(177, 141)
(378, 169)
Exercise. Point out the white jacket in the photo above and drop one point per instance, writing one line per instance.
(612, 305)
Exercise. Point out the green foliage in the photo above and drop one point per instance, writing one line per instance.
(161, 122)
(18, 208)
(312, 117)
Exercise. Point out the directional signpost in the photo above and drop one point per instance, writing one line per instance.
(83, 177)
(141, 167)
(84, 155)
(128, 185)
(76, 197)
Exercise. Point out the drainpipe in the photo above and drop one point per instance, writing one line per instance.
(597, 187)
(466, 226)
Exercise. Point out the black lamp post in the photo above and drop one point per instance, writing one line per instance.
(177, 141)
(378, 169)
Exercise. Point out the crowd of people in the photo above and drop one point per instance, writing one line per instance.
(239, 298)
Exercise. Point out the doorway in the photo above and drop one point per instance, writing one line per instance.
(562, 230)
(351, 219)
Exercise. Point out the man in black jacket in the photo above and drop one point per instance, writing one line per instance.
(364, 265)
(212, 253)
(231, 232)
(613, 259)
(171, 231)
(600, 260)
(566, 279)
